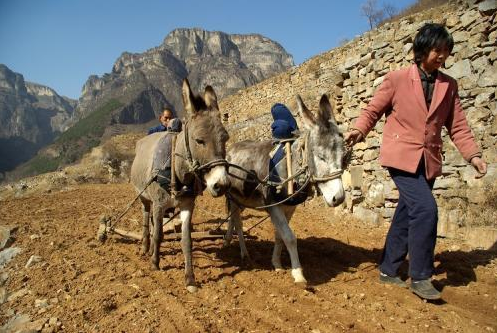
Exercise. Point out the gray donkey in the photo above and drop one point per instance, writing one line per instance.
(200, 152)
(322, 158)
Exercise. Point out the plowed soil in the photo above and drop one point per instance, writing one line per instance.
(110, 287)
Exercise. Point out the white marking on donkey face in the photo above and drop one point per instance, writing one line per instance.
(217, 181)
(333, 192)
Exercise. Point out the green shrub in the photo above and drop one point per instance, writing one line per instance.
(42, 164)
(92, 126)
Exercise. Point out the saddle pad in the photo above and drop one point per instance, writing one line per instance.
(162, 153)
(276, 155)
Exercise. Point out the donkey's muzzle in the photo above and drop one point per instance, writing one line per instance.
(217, 181)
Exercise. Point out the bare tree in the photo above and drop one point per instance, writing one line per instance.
(389, 10)
(371, 11)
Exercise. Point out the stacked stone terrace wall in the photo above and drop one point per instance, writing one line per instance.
(351, 73)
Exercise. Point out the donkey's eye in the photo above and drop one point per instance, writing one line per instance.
(200, 141)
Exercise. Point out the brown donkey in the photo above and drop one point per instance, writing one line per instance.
(200, 153)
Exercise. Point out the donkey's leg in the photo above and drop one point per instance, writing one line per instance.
(145, 226)
(158, 214)
(237, 221)
(231, 224)
(278, 242)
(280, 223)
(186, 210)
(278, 247)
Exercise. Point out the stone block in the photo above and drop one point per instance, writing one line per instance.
(370, 155)
(446, 226)
(489, 77)
(460, 69)
(493, 128)
(390, 190)
(453, 158)
(368, 216)
(484, 99)
(366, 59)
(378, 81)
(346, 180)
(482, 237)
(445, 183)
(488, 7)
(407, 48)
(352, 62)
(461, 36)
(480, 64)
(492, 56)
(375, 195)
(477, 115)
(8, 254)
(449, 62)
(356, 177)
(4, 236)
(388, 213)
(452, 20)
(469, 17)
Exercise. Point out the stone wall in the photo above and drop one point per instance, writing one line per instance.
(350, 74)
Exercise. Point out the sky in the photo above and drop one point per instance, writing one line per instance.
(60, 43)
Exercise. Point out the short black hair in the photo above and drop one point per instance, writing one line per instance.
(430, 36)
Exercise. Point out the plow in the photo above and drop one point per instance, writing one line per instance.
(106, 228)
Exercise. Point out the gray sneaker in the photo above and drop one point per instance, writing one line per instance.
(425, 289)
(394, 280)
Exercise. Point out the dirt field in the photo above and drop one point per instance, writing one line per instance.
(82, 286)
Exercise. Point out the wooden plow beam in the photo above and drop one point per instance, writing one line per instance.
(104, 231)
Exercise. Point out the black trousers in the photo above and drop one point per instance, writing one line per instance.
(413, 229)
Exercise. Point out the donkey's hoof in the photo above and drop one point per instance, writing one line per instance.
(302, 285)
(154, 266)
(298, 276)
(192, 289)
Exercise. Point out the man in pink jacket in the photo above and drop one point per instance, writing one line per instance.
(417, 101)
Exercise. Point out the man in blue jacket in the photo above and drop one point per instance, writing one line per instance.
(165, 119)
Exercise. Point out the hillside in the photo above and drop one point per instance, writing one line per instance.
(31, 116)
(226, 62)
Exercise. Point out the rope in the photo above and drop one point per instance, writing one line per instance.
(113, 225)
(231, 197)
(255, 225)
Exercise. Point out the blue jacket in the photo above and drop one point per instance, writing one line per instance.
(160, 128)
(176, 126)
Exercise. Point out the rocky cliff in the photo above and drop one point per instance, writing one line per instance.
(227, 62)
(31, 115)
(350, 75)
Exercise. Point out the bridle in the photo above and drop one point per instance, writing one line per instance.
(304, 169)
(194, 165)
(307, 155)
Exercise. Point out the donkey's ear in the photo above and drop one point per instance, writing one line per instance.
(210, 98)
(187, 94)
(325, 113)
(307, 116)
